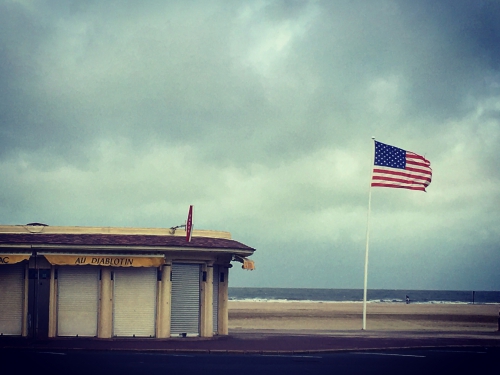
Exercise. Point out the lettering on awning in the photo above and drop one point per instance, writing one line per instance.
(13, 258)
(111, 261)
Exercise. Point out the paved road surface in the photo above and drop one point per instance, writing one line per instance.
(269, 341)
(442, 361)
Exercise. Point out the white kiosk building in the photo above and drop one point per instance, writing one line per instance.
(115, 282)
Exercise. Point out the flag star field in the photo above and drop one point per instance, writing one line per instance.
(389, 156)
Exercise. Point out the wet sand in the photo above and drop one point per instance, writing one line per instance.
(348, 316)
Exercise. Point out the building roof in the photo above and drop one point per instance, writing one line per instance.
(125, 240)
(39, 236)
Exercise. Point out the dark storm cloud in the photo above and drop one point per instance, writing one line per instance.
(163, 73)
(20, 38)
(443, 52)
(465, 40)
(34, 118)
(260, 113)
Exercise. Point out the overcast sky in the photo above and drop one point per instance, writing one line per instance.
(260, 114)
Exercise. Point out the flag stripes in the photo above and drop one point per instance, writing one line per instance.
(397, 168)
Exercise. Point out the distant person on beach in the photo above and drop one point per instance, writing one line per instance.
(407, 300)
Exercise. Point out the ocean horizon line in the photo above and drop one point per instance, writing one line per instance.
(356, 295)
(391, 289)
(259, 300)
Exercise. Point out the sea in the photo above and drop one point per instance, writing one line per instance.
(356, 295)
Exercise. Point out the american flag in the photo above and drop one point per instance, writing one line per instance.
(397, 168)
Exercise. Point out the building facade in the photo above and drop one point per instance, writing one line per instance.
(115, 282)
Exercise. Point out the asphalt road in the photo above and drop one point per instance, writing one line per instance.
(472, 360)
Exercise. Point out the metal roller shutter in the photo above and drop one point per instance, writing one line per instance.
(216, 299)
(134, 302)
(185, 299)
(11, 299)
(77, 301)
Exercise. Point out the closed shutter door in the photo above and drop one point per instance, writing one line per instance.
(185, 299)
(11, 299)
(77, 301)
(216, 299)
(134, 302)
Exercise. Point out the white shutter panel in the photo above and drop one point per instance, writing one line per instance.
(134, 302)
(78, 301)
(11, 299)
(185, 299)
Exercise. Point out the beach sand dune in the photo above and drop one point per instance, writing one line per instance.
(348, 316)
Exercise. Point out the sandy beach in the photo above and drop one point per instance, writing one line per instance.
(348, 316)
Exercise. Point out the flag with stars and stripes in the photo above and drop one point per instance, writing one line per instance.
(397, 168)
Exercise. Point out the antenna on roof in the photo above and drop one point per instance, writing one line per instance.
(172, 229)
(188, 225)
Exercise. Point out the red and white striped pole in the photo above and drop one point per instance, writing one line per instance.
(189, 224)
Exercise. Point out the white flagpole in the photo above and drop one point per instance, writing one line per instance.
(368, 235)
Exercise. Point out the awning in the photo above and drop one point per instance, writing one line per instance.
(13, 258)
(248, 264)
(105, 260)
